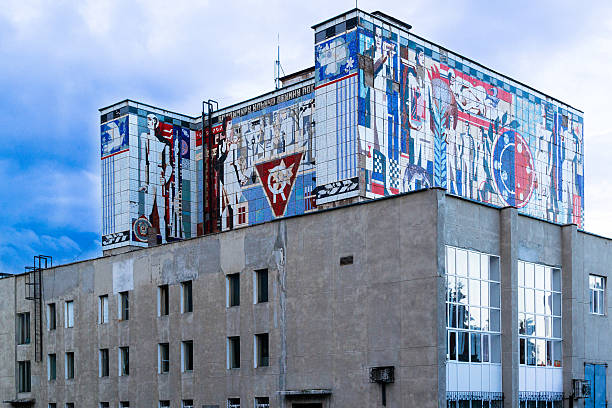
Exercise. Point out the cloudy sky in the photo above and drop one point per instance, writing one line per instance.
(62, 60)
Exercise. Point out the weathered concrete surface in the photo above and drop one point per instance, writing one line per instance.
(328, 323)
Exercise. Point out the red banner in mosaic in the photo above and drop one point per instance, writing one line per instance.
(277, 179)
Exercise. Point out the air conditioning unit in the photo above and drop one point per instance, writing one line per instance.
(582, 389)
(383, 375)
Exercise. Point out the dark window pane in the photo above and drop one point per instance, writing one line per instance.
(51, 317)
(234, 289)
(352, 23)
(320, 36)
(163, 300)
(125, 305)
(187, 298)
(463, 346)
(234, 351)
(452, 346)
(263, 357)
(475, 348)
(262, 285)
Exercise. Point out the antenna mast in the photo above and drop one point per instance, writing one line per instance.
(277, 65)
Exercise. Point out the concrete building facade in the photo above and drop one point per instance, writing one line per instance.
(396, 226)
(347, 290)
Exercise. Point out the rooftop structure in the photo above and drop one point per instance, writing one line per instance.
(384, 111)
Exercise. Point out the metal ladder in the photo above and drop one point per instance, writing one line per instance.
(34, 291)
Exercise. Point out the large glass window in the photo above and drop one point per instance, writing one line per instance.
(472, 306)
(539, 307)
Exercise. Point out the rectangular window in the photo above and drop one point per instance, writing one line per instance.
(473, 306)
(104, 405)
(24, 379)
(233, 352)
(23, 328)
(52, 405)
(262, 351)
(187, 404)
(69, 365)
(164, 404)
(124, 361)
(163, 358)
(597, 286)
(539, 313)
(69, 313)
(233, 403)
(187, 304)
(103, 360)
(124, 404)
(162, 300)
(51, 317)
(124, 306)
(70, 405)
(51, 367)
(187, 352)
(261, 286)
(233, 290)
(103, 309)
(262, 402)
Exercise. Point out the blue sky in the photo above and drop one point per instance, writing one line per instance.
(60, 61)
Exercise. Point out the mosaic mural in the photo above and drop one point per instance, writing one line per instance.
(264, 160)
(387, 113)
(148, 179)
(430, 118)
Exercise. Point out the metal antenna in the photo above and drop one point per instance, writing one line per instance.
(277, 65)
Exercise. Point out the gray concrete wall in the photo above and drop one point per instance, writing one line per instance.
(328, 323)
(7, 339)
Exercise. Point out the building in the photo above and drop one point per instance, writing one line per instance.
(382, 112)
(300, 309)
(397, 226)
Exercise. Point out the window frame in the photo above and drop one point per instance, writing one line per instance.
(24, 376)
(51, 316)
(187, 296)
(103, 363)
(233, 289)
(51, 367)
(539, 320)
(69, 368)
(600, 293)
(261, 289)
(261, 402)
(124, 306)
(187, 356)
(124, 361)
(103, 309)
(163, 300)
(233, 402)
(23, 328)
(261, 350)
(481, 271)
(68, 314)
(163, 364)
(233, 353)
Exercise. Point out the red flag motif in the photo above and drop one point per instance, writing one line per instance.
(277, 179)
